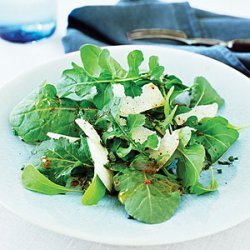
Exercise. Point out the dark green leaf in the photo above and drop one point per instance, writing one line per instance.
(57, 158)
(74, 82)
(104, 94)
(132, 89)
(190, 163)
(203, 93)
(147, 198)
(216, 136)
(44, 112)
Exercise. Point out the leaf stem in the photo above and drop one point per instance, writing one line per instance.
(144, 76)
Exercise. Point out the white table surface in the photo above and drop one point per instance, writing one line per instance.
(17, 234)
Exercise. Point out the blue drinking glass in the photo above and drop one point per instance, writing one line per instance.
(24, 21)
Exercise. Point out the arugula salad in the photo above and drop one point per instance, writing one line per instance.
(141, 135)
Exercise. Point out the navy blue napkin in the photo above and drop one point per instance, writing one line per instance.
(108, 25)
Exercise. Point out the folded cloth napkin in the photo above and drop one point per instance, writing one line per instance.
(108, 25)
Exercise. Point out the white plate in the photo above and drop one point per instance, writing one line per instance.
(107, 222)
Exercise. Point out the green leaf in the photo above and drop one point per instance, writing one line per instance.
(89, 111)
(132, 89)
(56, 159)
(135, 121)
(135, 59)
(95, 192)
(150, 198)
(33, 180)
(173, 81)
(104, 94)
(110, 66)
(43, 112)
(156, 70)
(72, 82)
(203, 93)
(200, 189)
(122, 152)
(167, 107)
(111, 110)
(144, 163)
(168, 112)
(190, 163)
(90, 58)
(169, 119)
(216, 136)
(152, 142)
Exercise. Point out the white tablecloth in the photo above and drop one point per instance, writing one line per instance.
(17, 234)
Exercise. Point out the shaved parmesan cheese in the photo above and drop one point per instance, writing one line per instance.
(88, 129)
(58, 136)
(168, 145)
(99, 154)
(150, 98)
(200, 112)
(140, 134)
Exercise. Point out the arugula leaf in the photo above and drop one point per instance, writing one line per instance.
(73, 82)
(200, 189)
(90, 58)
(152, 142)
(33, 180)
(171, 81)
(111, 113)
(167, 107)
(57, 158)
(203, 93)
(168, 112)
(135, 59)
(110, 67)
(190, 163)
(147, 198)
(216, 136)
(94, 193)
(135, 121)
(144, 163)
(43, 112)
(122, 152)
(104, 94)
(155, 69)
(132, 89)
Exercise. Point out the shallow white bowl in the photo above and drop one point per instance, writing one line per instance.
(107, 222)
